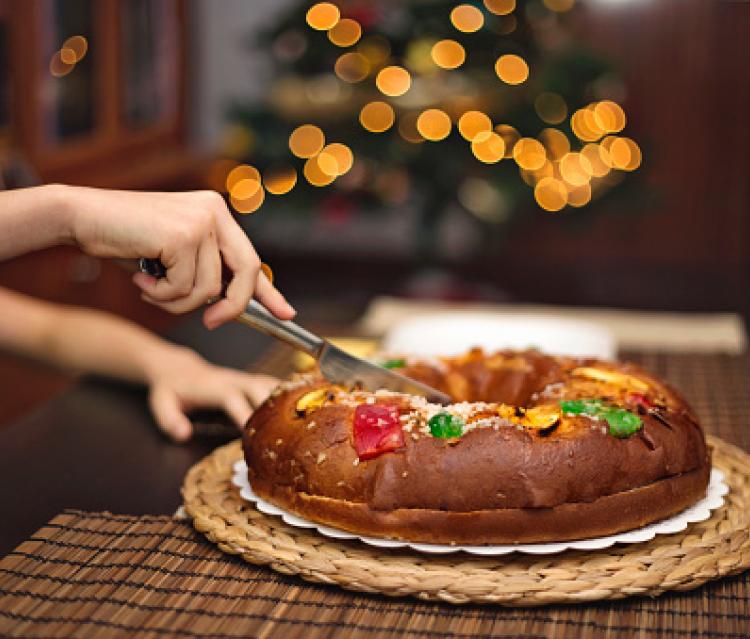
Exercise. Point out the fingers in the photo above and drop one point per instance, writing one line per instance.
(257, 387)
(268, 295)
(167, 411)
(238, 408)
(179, 280)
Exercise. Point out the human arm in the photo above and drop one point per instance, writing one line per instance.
(94, 342)
(191, 233)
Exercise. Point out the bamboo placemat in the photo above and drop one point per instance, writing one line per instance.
(102, 575)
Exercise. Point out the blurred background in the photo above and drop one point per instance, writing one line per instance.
(585, 153)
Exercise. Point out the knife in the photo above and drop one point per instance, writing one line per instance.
(336, 365)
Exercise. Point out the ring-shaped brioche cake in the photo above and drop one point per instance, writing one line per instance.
(534, 448)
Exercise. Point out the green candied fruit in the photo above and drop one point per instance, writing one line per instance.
(446, 426)
(590, 407)
(622, 423)
(394, 363)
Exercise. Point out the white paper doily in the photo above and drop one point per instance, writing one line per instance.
(699, 511)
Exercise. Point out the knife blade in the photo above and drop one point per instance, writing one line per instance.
(336, 365)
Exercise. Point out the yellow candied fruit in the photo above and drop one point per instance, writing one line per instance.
(541, 417)
(311, 401)
(611, 377)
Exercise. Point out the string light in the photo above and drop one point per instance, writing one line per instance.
(512, 69)
(377, 116)
(434, 125)
(467, 18)
(279, 180)
(551, 108)
(471, 123)
(529, 154)
(500, 7)
(393, 81)
(551, 194)
(352, 67)
(345, 33)
(306, 141)
(323, 16)
(448, 54)
(488, 147)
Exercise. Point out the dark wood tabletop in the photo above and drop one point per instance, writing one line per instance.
(96, 447)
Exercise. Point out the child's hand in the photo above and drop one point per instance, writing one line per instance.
(184, 381)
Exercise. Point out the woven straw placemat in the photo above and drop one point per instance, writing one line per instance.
(705, 551)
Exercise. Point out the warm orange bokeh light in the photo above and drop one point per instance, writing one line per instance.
(500, 7)
(532, 177)
(407, 128)
(599, 159)
(556, 143)
(467, 18)
(550, 194)
(250, 204)
(393, 81)
(240, 173)
(471, 123)
(57, 67)
(434, 125)
(512, 69)
(323, 16)
(448, 54)
(529, 154)
(609, 116)
(279, 180)
(624, 153)
(575, 169)
(579, 195)
(510, 136)
(551, 108)
(78, 45)
(306, 141)
(336, 159)
(488, 147)
(315, 174)
(345, 33)
(352, 67)
(377, 116)
(585, 126)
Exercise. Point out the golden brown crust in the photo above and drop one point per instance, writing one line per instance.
(495, 484)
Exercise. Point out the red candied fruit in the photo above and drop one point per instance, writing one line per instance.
(377, 430)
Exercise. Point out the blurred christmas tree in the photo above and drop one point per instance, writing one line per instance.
(490, 106)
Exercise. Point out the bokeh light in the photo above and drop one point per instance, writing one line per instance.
(306, 141)
(393, 81)
(407, 128)
(500, 7)
(216, 176)
(434, 125)
(575, 169)
(551, 108)
(375, 48)
(585, 126)
(532, 177)
(599, 159)
(482, 199)
(377, 116)
(266, 270)
(579, 196)
(68, 56)
(240, 173)
(467, 18)
(78, 45)
(488, 147)
(345, 33)
(279, 180)
(471, 123)
(556, 143)
(57, 67)
(352, 67)
(341, 156)
(609, 116)
(323, 16)
(624, 153)
(512, 69)
(510, 136)
(315, 174)
(559, 6)
(550, 194)
(529, 154)
(448, 54)
(245, 189)
(248, 204)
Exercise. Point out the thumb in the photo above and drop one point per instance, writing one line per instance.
(165, 406)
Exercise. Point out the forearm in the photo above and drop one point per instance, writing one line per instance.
(82, 340)
(35, 218)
